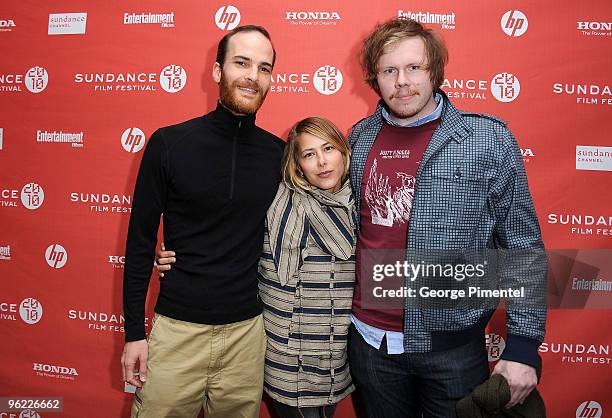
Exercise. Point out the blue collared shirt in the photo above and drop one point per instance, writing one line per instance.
(373, 335)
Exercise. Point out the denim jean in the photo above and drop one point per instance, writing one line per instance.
(286, 411)
(416, 384)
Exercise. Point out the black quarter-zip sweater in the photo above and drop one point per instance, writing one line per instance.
(213, 178)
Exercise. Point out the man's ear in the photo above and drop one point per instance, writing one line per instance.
(216, 73)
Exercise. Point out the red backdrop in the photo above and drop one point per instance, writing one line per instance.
(82, 86)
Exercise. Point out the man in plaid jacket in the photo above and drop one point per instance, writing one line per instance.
(427, 178)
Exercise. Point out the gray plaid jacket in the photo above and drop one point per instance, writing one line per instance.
(471, 192)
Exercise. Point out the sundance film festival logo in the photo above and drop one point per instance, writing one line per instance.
(579, 353)
(35, 80)
(580, 224)
(133, 140)
(8, 311)
(327, 79)
(56, 256)
(599, 29)
(7, 25)
(104, 202)
(589, 409)
(172, 78)
(32, 196)
(30, 311)
(311, 18)
(505, 87)
(101, 321)
(586, 94)
(495, 346)
(514, 23)
(227, 17)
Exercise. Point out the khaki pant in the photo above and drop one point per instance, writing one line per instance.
(194, 366)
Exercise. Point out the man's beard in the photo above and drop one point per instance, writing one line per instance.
(229, 95)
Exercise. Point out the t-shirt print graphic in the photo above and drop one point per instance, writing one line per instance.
(386, 206)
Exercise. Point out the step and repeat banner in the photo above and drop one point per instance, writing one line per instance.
(84, 84)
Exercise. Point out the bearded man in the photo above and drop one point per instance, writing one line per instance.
(212, 178)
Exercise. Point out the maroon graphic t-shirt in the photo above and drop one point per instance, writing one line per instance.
(387, 190)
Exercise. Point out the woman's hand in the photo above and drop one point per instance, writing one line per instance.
(164, 260)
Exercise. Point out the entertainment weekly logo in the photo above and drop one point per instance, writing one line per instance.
(444, 20)
(67, 23)
(31, 196)
(100, 322)
(581, 354)
(495, 346)
(313, 18)
(593, 158)
(580, 224)
(326, 80)
(514, 23)
(29, 311)
(103, 203)
(504, 87)
(586, 94)
(54, 371)
(35, 81)
(5, 252)
(172, 78)
(7, 25)
(227, 17)
(595, 28)
(589, 409)
(74, 139)
(165, 20)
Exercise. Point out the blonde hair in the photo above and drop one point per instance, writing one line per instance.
(321, 128)
(386, 35)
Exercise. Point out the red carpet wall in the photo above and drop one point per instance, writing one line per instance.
(84, 84)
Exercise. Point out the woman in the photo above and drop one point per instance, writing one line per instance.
(307, 273)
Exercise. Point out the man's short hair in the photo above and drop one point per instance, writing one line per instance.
(222, 48)
(387, 34)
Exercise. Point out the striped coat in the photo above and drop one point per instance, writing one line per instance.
(307, 312)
